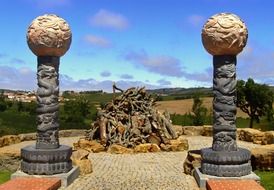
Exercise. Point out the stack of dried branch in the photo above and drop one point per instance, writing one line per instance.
(131, 119)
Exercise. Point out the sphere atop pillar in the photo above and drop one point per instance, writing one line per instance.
(49, 35)
(224, 34)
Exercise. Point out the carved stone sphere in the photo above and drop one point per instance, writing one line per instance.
(224, 34)
(49, 35)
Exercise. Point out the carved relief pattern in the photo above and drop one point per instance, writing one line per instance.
(224, 103)
(224, 34)
(49, 35)
(47, 98)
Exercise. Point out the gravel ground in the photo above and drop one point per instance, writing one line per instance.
(152, 171)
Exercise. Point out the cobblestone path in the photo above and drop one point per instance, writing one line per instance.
(153, 171)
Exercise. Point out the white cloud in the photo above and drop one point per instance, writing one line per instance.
(17, 61)
(97, 41)
(126, 76)
(107, 19)
(13, 78)
(25, 79)
(257, 63)
(164, 82)
(67, 83)
(105, 74)
(164, 65)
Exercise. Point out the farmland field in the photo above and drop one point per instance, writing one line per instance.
(184, 106)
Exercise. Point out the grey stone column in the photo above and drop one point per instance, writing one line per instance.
(47, 99)
(224, 36)
(48, 37)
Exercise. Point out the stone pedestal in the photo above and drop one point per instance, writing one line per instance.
(46, 161)
(66, 178)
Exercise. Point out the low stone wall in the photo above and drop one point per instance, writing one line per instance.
(263, 157)
(205, 130)
(256, 136)
(244, 134)
(13, 139)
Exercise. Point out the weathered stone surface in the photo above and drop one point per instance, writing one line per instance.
(79, 154)
(207, 130)
(179, 144)
(27, 137)
(80, 158)
(49, 35)
(263, 157)
(85, 166)
(147, 147)
(268, 138)
(118, 149)
(224, 34)
(179, 129)
(9, 162)
(192, 160)
(9, 139)
(91, 146)
(193, 130)
(72, 133)
(251, 135)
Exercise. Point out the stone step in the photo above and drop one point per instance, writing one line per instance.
(32, 184)
(233, 185)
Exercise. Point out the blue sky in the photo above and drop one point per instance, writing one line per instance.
(152, 43)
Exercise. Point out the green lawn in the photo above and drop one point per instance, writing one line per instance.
(266, 179)
(264, 125)
(4, 176)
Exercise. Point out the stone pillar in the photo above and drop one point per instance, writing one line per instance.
(48, 37)
(224, 36)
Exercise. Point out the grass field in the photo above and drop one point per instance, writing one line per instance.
(184, 106)
(4, 176)
(266, 179)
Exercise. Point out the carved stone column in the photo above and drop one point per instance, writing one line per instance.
(224, 36)
(48, 37)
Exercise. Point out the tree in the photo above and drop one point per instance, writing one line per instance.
(254, 99)
(3, 103)
(199, 111)
(76, 110)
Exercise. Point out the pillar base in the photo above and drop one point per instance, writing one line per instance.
(66, 178)
(226, 163)
(46, 161)
(202, 178)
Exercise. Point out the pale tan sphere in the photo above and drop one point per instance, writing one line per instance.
(49, 35)
(224, 34)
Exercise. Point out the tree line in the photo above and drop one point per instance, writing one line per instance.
(252, 98)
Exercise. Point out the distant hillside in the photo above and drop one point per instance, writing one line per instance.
(181, 91)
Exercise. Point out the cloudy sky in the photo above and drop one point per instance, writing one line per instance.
(152, 43)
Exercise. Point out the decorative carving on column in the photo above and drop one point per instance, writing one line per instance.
(224, 36)
(48, 37)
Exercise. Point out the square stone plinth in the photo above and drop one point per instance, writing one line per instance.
(216, 184)
(66, 178)
(201, 178)
(31, 183)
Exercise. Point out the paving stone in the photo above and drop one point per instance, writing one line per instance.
(233, 185)
(31, 184)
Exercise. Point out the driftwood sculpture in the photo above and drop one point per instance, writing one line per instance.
(131, 119)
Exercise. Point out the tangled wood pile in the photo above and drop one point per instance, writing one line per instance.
(131, 119)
